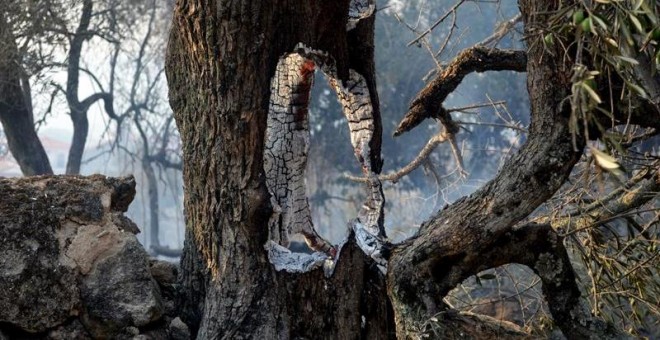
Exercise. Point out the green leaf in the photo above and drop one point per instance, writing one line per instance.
(604, 160)
(627, 59)
(637, 23)
(637, 89)
(591, 92)
(600, 22)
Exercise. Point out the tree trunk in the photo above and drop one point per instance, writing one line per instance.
(152, 188)
(220, 65)
(15, 108)
(77, 110)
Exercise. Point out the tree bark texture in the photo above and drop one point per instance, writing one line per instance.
(455, 243)
(15, 108)
(222, 56)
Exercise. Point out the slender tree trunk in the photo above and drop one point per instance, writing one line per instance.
(77, 109)
(152, 187)
(15, 107)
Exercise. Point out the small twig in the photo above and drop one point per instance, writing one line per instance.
(414, 164)
(501, 31)
(508, 126)
(475, 106)
(438, 22)
(458, 156)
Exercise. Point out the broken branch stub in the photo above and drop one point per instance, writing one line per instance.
(428, 104)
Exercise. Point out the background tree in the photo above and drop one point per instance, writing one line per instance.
(151, 126)
(74, 62)
(37, 49)
(16, 113)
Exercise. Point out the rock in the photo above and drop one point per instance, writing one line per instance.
(70, 261)
(72, 330)
(37, 290)
(132, 330)
(154, 334)
(178, 330)
(163, 272)
(117, 295)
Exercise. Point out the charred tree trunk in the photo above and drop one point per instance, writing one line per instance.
(222, 56)
(15, 107)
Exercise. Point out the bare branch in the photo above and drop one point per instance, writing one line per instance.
(414, 164)
(508, 126)
(465, 109)
(428, 103)
(453, 9)
(501, 31)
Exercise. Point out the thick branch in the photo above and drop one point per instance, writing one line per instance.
(420, 269)
(542, 250)
(75, 52)
(428, 103)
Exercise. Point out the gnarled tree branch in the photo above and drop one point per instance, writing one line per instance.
(420, 269)
(428, 104)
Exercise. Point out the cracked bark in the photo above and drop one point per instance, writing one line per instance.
(285, 153)
(287, 145)
(220, 96)
(425, 268)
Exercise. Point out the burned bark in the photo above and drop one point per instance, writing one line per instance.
(227, 204)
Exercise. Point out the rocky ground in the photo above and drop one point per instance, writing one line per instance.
(71, 266)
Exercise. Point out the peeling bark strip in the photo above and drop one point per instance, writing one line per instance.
(358, 109)
(285, 153)
(287, 146)
(356, 106)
